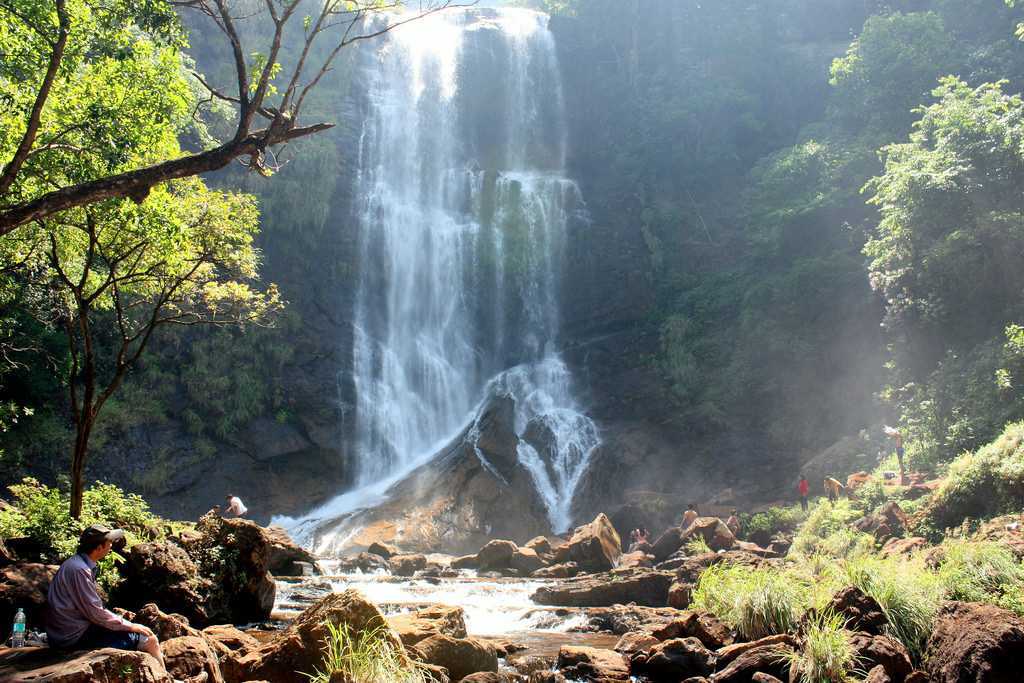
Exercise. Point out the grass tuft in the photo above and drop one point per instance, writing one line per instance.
(365, 657)
(826, 655)
(756, 602)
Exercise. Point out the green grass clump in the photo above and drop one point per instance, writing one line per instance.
(907, 592)
(826, 655)
(982, 571)
(757, 602)
(696, 545)
(825, 519)
(366, 656)
(985, 483)
(765, 524)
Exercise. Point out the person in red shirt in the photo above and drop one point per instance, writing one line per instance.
(804, 488)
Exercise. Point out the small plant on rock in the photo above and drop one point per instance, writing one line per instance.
(826, 655)
(756, 602)
(697, 545)
(366, 656)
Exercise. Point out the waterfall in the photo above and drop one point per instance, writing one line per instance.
(463, 214)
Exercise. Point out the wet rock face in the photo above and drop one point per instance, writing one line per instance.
(641, 586)
(972, 642)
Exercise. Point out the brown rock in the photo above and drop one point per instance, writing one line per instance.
(642, 586)
(189, 656)
(878, 675)
(24, 585)
(903, 546)
(39, 664)
(707, 628)
(761, 677)
(165, 626)
(540, 545)
(497, 554)
(636, 559)
(284, 553)
(527, 664)
(592, 664)
(414, 627)
(973, 642)
(164, 574)
(230, 637)
(667, 543)
(680, 594)
(460, 656)
(557, 571)
(546, 677)
(595, 547)
(363, 562)
(298, 648)
(526, 561)
(889, 653)
(887, 522)
(234, 554)
(385, 550)
(489, 677)
(769, 659)
(407, 565)
(731, 652)
(861, 611)
(714, 532)
(675, 659)
(918, 677)
(465, 562)
(634, 642)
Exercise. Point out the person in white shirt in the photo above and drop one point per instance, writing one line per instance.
(235, 506)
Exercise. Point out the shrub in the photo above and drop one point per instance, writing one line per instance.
(365, 657)
(824, 520)
(761, 526)
(907, 592)
(982, 571)
(756, 602)
(985, 483)
(826, 655)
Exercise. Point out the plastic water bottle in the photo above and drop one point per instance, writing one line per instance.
(18, 634)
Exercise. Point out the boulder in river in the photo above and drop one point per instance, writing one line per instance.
(413, 627)
(286, 557)
(407, 565)
(595, 547)
(384, 550)
(641, 586)
(497, 554)
(711, 631)
(460, 656)
(557, 571)
(364, 562)
(592, 664)
(526, 561)
(675, 659)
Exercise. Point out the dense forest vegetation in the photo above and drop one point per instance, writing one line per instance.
(827, 196)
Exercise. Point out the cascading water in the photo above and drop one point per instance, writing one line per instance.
(463, 215)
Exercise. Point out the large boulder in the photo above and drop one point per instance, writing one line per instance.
(39, 664)
(889, 653)
(595, 547)
(768, 659)
(285, 555)
(165, 626)
(385, 550)
(189, 658)
(887, 522)
(633, 642)
(24, 585)
(234, 555)
(727, 654)
(975, 643)
(364, 562)
(714, 532)
(711, 631)
(407, 565)
(526, 561)
(860, 611)
(497, 554)
(674, 660)
(413, 627)
(592, 664)
(298, 648)
(667, 544)
(460, 656)
(557, 571)
(162, 573)
(642, 586)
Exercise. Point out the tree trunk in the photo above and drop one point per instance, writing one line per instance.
(83, 430)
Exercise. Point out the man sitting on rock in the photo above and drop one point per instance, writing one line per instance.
(76, 618)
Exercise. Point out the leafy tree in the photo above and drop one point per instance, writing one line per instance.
(54, 41)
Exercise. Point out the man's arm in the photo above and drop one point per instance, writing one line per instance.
(88, 602)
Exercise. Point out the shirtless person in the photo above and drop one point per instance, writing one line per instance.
(689, 516)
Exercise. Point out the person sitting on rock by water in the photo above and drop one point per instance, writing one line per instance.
(235, 506)
(75, 616)
(733, 523)
(833, 488)
(689, 516)
(804, 487)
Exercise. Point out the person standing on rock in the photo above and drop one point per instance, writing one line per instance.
(235, 506)
(900, 452)
(689, 516)
(75, 616)
(804, 488)
(833, 487)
